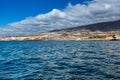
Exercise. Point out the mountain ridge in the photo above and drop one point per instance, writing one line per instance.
(103, 26)
(98, 31)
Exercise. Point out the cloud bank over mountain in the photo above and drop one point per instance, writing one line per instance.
(73, 15)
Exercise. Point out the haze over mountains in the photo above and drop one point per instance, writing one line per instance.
(102, 27)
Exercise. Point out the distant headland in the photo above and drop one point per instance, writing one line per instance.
(98, 31)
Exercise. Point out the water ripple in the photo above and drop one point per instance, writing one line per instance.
(60, 60)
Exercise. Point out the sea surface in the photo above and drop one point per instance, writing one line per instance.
(60, 60)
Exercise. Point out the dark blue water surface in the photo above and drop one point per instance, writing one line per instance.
(60, 60)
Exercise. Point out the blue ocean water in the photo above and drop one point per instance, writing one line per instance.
(60, 60)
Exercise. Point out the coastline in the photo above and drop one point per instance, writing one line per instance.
(63, 35)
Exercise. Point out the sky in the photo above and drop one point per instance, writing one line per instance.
(25, 17)
(16, 10)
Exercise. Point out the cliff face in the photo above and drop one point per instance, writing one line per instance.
(99, 31)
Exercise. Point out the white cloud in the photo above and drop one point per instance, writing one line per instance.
(73, 15)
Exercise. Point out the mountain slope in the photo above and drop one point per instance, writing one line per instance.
(104, 27)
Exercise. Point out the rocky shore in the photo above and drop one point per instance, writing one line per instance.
(64, 35)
